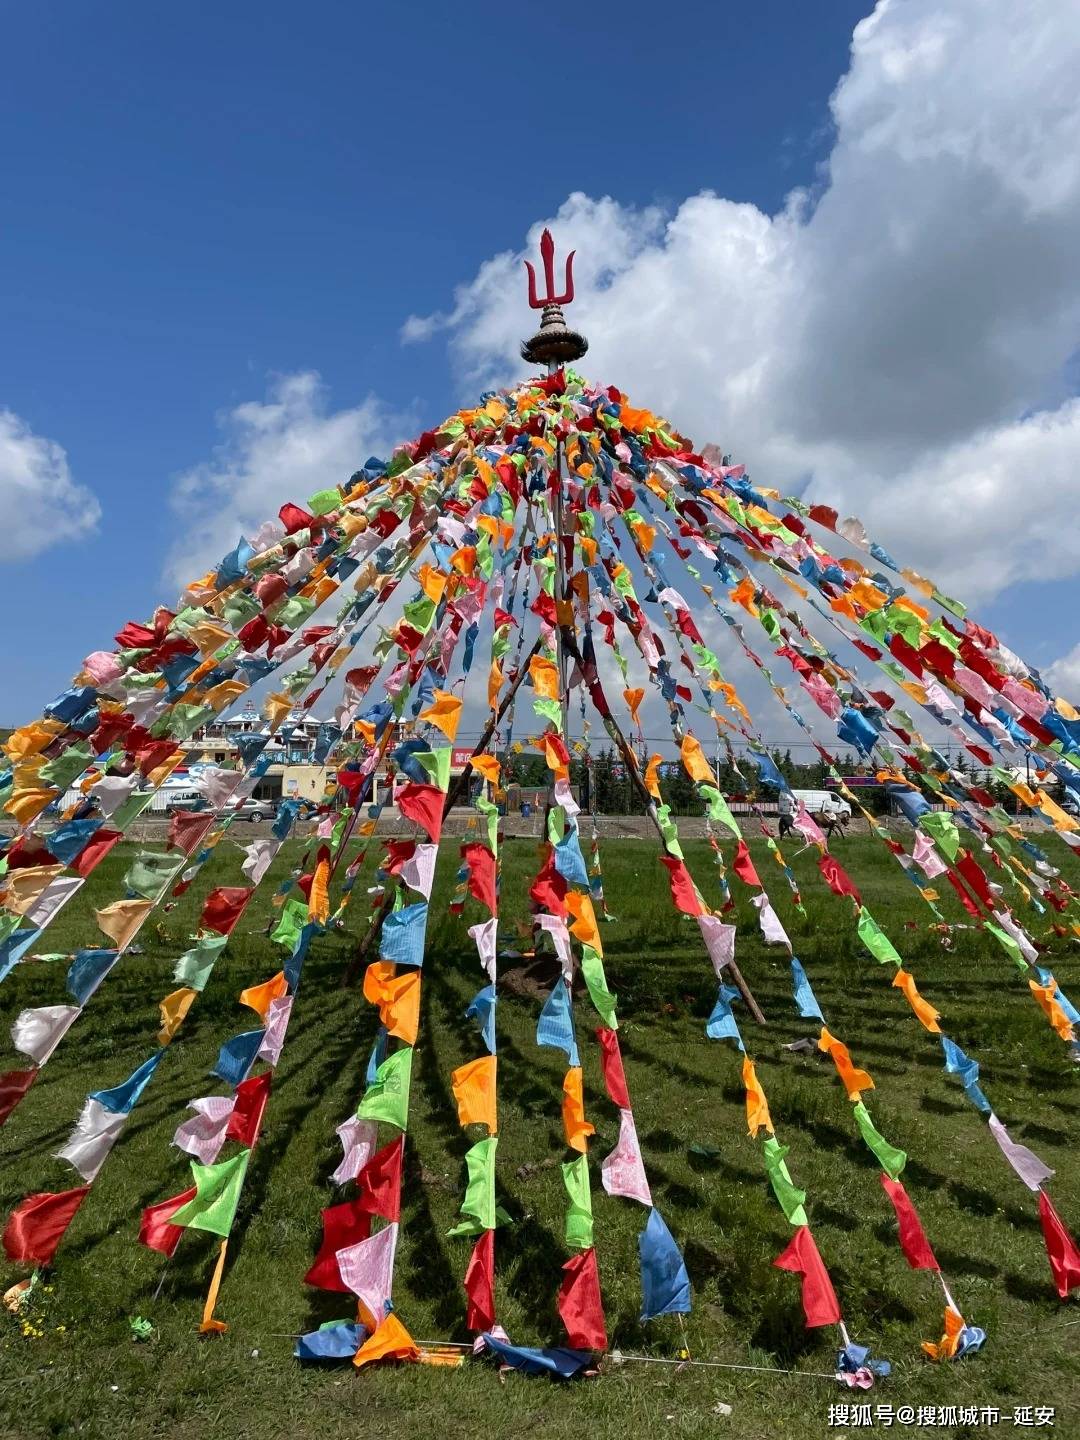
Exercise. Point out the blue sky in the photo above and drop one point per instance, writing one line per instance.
(200, 200)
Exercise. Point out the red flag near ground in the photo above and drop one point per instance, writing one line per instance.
(13, 1086)
(343, 1225)
(913, 1241)
(801, 1257)
(682, 887)
(1060, 1248)
(155, 1230)
(964, 898)
(480, 1284)
(379, 1182)
(837, 878)
(245, 1122)
(37, 1225)
(424, 805)
(744, 866)
(579, 1303)
(481, 863)
(224, 907)
(611, 1061)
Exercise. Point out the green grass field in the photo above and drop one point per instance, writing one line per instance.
(86, 1375)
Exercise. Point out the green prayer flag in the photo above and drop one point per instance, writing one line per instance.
(387, 1097)
(150, 872)
(217, 1195)
(132, 807)
(791, 1199)
(891, 1159)
(550, 710)
(1008, 944)
(295, 611)
(579, 1226)
(669, 830)
(478, 1207)
(194, 966)
(491, 813)
(592, 968)
(294, 916)
(436, 765)
(939, 826)
(875, 939)
(419, 613)
(67, 766)
(239, 609)
(718, 808)
(323, 501)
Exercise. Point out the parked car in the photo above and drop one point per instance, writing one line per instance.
(256, 810)
(818, 801)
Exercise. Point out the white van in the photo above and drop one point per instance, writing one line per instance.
(817, 802)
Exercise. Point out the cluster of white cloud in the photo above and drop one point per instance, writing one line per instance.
(42, 505)
(285, 447)
(900, 336)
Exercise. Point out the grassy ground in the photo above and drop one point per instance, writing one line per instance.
(87, 1375)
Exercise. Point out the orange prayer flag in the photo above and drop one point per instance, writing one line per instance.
(474, 1090)
(464, 560)
(173, 1009)
(946, 1348)
(495, 680)
(432, 582)
(575, 1127)
(743, 595)
(694, 761)
(276, 708)
(208, 1325)
(923, 1009)
(391, 1341)
(260, 997)
(652, 770)
(855, 1081)
(444, 712)
(319, 899)
(634, 698)
(397, 996)
(757, 1107)
(487, 766)
(27, 804)
(584, 927)
(1044, 994)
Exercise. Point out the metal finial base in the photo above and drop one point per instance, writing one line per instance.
(553, 343)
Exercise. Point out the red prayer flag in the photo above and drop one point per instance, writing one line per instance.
(682, 887)
(37, 1225)
(801, 1257)
(187, 828)
(155, 1231)
(224, 907)
(245, 1122)
(975, 876)
(1060, 1248)
(480, 1284)
(913, 1241)
(423, 804)
(548, 890)
(293, 518)
(343, 1225)
(744, 866)
(481, 863)
(95, 850)
(379, 1182)
(13, 1086)
(611, 1062)
(579, 1303)
(837, 878)
(965, 899)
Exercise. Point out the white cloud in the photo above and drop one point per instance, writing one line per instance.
(42, 505)
(1063, 676)
(899, 337)
(285, 447)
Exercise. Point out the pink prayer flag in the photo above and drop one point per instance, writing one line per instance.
(204, 1134)
(719, 940)
(623, 1171)
(358, 1143)
(368, 1270)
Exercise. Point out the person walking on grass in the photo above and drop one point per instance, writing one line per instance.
(786, 805)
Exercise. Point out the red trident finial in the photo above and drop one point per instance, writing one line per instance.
(547, 254)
